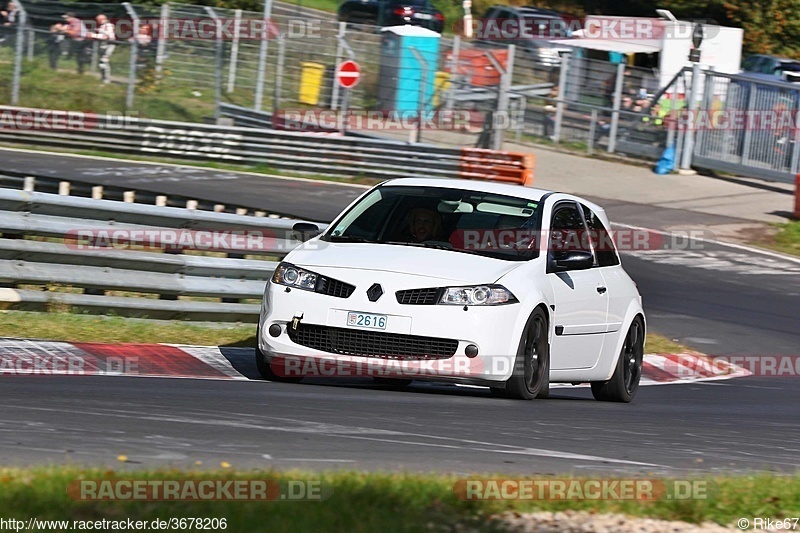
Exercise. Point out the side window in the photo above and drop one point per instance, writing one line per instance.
(567, 232)
(604, 247)
(749, 64)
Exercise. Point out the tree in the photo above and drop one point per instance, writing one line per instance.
(770, 26)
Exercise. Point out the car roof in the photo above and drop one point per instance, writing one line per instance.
(473, 185)
(782, 59)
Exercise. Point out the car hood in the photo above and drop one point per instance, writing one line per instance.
(446, 265)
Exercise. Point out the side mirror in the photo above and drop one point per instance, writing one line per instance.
(574, 260)
(303, 231)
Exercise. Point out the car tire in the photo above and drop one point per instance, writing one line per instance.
(531, 375)
(624, 382)
(265, 368)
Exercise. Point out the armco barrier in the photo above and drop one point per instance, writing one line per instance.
(509, 167)
(282, 150)
(178, 283)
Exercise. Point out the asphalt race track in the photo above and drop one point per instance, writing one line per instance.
(718, 299)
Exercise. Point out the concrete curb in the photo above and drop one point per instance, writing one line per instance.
(25, 357)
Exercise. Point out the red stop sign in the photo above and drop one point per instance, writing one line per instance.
(348, 74)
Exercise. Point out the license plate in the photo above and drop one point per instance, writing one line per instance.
(423, 16)
(366, 320)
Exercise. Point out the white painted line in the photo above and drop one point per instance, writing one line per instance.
(494, 448)
(318, 460)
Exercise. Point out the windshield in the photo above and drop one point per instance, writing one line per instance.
(458, 220)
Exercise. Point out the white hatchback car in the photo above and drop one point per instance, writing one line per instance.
(455, 280)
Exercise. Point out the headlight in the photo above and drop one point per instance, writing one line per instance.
(292, 276)
(480, 295)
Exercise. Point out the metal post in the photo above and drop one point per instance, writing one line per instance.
(95, 56)
(748, 132)
(345, 104)
(31, 41)
(276, 98)
(339, 49)
(217, 60)
(688, 143)
(18, 53)
(706, 107)
(134, 53)
(612, 133)
(502, 100)
(562, 94)
(423, 82)
(262, 56)
(161, 47)
(592, 128)
(453, 72)
(672, 117)
(520, 121)
(237, 22)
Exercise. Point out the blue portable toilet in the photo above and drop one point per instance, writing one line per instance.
(400, 74)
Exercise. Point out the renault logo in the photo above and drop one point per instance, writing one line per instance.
(374, 292)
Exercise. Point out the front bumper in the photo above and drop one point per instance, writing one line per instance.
(419, 341)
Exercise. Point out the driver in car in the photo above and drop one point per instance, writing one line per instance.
(424, 225)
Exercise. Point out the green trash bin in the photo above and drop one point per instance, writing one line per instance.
(311, 76)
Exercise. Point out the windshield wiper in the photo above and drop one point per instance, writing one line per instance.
(429, 244)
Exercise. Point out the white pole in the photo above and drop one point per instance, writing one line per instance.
(237, 22)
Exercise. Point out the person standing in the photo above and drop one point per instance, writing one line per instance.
(55, 43)
(76, 30)
(106, 35)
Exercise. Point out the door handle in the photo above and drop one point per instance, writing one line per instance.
(601, 290)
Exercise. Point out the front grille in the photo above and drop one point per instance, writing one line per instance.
(418, 296)
(346, 341)
(333, 287)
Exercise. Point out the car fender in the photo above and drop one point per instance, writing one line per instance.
(634, 309)
(530, 296)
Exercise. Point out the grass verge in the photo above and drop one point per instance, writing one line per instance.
(110, 329)
(373, 501)
(90, 328)
(787, 240)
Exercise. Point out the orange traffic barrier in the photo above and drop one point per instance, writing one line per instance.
(797, 197)
(494, 165)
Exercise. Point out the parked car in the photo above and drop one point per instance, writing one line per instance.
(392, 13)
(472, 282)
(772, 67)
(530, 29)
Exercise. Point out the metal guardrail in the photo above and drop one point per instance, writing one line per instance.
(99, 246)
(282, 150)
(251, 118)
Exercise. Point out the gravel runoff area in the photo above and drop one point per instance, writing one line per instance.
(583, 522)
